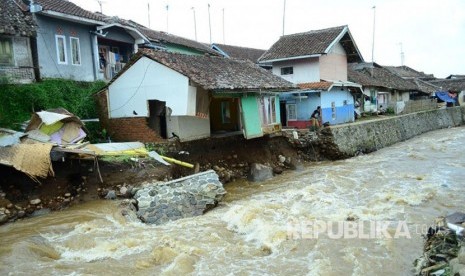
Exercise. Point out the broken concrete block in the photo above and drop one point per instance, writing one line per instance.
(259, 172)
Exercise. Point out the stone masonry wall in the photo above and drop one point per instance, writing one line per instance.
(181, 198)
(351, 139)
(124, 129)
(419, 105)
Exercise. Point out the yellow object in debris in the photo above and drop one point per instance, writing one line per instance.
(177, 162)
(111, 149)
(50, 129)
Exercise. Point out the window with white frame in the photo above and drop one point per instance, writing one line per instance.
(272, 109)
(6, 51)
(291, 112)
(61, 49)
(75, 51)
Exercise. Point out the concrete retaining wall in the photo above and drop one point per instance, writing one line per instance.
(369, 136)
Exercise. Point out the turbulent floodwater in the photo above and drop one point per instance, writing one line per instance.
(249, 233)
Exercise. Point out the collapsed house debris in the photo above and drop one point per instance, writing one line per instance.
(444, 250)
(16, 151)
(57, 134)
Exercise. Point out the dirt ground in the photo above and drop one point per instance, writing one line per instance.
(77, 180)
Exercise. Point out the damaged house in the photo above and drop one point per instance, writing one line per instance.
(161, 95)
(317, 62)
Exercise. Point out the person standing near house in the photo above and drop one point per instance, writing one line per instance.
(315, 118)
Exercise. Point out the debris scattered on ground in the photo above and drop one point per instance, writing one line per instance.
(444, 251)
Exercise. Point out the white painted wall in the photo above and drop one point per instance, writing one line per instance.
(191, 100)
(188, 128)
(333, 66)
(148, 80)
(305, 70)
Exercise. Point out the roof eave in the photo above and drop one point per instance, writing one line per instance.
(337, 39)
(218, 49)
(288, 58)
(253, 90)
(132, 31)
(71, 18)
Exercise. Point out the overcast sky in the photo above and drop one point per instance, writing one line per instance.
(432, 33)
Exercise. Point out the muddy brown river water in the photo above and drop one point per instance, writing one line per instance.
(266, 228)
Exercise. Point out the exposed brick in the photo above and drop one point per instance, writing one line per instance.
(124, 129)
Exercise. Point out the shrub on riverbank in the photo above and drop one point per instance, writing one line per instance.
(19, 101)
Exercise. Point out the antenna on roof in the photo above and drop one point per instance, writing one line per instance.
(100, 2)
(402, 57)
(284, 15)
(224, 41)
(373, 44)
(148, 11)
(209, 23)
(167, 9)
(195, 23)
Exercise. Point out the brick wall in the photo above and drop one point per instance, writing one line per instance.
(124, 129)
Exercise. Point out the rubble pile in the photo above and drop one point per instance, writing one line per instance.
(444, 250)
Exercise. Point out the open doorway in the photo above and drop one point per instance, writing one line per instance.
(283, 113)
(157, 117)
(224, 115)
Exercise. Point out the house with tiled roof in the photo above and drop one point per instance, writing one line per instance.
(317, 62)
(74, 43)
(407, 72)
(238, 52)
(382, 89)
(456, 85)
(160, 95)
(17, 32)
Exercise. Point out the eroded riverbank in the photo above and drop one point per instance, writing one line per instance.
(414, 181)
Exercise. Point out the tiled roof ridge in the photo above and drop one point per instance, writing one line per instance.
(244, 47)
(316, 31)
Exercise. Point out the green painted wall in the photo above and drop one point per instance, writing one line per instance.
(175, 48)
(250, 117)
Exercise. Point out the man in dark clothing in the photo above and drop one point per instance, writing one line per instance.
(315, 119)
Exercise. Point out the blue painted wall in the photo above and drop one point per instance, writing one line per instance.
(47, 52)
(305, 107)
(344, 102)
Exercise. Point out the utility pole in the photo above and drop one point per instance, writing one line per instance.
(373, 43)
(284, 15)
(195, 24)
(209, 24)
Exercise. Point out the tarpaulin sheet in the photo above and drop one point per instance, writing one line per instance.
(446, 96)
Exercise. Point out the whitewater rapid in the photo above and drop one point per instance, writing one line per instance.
(249, 232)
